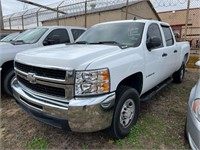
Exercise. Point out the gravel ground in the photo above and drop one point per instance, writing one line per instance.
(160, 125)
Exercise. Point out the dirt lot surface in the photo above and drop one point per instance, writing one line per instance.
(160, 125)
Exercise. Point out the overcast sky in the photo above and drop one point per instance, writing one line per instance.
(11, 6)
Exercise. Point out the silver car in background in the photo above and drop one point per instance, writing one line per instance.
(193, 116)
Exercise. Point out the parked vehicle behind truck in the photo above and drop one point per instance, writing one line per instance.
(32, 38)
(99, 82)
(9, 37)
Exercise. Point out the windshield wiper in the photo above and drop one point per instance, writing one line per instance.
(106, 42)
(20, 41)
(81, 42)
(112, 42)
(16, 42)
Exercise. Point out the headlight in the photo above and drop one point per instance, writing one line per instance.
(92, 82)
(196, 108)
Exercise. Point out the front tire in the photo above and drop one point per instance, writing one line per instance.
(8, 76)
(126, 112)
(179, 75)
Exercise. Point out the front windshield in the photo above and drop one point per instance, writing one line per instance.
(30, 36)
(124, 34)
(9, 37)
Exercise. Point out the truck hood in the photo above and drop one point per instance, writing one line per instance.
(9, 45)
(6, 45)
(9, 48)
(77, 56)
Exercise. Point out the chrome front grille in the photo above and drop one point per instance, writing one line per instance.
(39, 88)
(44, 72)
(51, 83)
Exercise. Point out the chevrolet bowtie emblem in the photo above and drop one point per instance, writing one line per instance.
(31, 78)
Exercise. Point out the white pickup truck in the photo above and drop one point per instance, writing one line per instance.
(32, 38)
(98, 82)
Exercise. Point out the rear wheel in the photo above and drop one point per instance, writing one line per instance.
(126, 112)
(7, 78)
(179, 75)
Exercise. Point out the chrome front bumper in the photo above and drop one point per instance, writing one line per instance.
(82, 114)
(193, 130)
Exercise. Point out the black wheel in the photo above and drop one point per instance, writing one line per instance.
(179, 75)
(7, 78)
(126, 112)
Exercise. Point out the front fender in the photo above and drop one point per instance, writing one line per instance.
(121, 65)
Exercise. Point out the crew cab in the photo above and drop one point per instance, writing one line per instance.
(99, 82)
(32, 38)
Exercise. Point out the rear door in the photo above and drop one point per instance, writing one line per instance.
(171, 60)
(76, 33)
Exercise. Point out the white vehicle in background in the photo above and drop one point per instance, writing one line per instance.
(193, 116)
(9, 37)
(32, 38)
(2, 35)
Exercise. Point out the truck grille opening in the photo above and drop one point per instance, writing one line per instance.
(31, 104)
(44, 72)
(47, 90)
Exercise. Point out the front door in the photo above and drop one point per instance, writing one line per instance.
(154, 58)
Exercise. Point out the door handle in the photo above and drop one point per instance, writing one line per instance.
(164, 54)
(175, 51)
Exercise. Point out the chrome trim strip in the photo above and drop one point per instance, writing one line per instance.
(61, 86)
(70, 77)
(69, 92)
(45, 66)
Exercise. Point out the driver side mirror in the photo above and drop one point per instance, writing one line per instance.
(153, 42)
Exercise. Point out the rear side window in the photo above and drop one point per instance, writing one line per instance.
(168, 35)
(76, 33)
(61, 34)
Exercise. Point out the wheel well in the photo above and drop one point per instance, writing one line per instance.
(6, 66)
(135, 81)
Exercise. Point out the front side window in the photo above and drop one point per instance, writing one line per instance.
(168, 35)
(154, 31)
(77, 33)
(127, 34)
(57, 36)
(30, 36)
